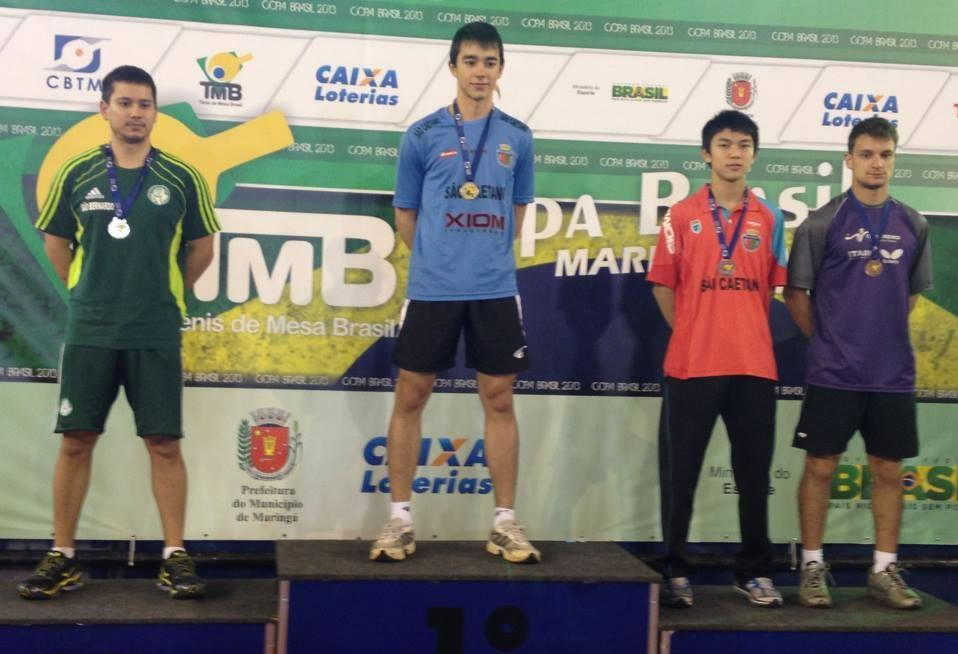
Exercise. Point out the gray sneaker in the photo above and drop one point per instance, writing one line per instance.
(760, 591)
(891, 590)
(813, 586)
(508, 539)
(395, 542)
(677, 593)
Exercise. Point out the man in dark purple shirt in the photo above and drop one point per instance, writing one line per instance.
(855, 271)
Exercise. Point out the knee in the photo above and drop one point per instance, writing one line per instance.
(820, 468)
(498, 401)
(163, 448)
(886, 472)
(411, 398)
(78, 445)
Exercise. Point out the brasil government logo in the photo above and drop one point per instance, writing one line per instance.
(267, 447)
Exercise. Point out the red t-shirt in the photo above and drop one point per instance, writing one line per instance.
(721, 322)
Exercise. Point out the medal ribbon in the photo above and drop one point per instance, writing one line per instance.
(863, 214)
(470, 166)
(122, 207)
(727, 249)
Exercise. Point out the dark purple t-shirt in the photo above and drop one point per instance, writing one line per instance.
(861, 340)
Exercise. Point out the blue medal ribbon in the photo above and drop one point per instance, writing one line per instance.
(122, 207)
(727, 249)
(470, 166)
(883, 224)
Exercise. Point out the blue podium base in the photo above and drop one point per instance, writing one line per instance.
(453, 598)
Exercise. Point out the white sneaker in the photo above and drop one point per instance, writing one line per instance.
(396, 541)
(508, 540)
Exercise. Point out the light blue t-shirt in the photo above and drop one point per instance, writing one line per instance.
(463, 248)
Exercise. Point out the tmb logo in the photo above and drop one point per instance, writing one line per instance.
(442, 459)
(75, 54)
(356, 85)
(843, 107)
(220, 70)
(267, 448)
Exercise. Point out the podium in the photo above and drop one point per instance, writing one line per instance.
(452, 597)
(723, 622)
(119, 616)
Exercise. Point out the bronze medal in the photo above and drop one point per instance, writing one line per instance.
(726, 267)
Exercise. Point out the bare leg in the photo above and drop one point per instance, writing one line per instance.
(169, 486)
(71, 479)
(501, 435)
(813, 498)
(405, 431)
(886, 501)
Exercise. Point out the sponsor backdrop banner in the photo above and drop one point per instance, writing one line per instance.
(293, 111)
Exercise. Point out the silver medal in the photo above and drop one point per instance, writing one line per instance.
(118, 228)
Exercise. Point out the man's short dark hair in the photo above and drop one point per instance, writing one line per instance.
(484, 34)
(729, 119)
(130, 75)
(875, 127)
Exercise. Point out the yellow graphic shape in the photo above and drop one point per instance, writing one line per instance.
(308, 355)
(934, 335)
(229, 63)
(210, 155)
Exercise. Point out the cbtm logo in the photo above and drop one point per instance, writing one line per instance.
(267, 447)
(356, 85)
(75, 54)
(443, 459)
(740, 91)
(220, 71)
(640, 93)
(849, 109)
(922, 483)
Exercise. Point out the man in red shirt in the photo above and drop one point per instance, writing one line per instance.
(720, 255)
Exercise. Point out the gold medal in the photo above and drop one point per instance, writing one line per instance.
(873, 268)
(726, 267)
(469, 191)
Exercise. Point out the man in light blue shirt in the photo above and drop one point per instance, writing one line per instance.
(464, 179)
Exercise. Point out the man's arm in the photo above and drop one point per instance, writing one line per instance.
(799, 304)
(60, 254)
(406, 225)
(520, 214)
(199, 254)
(665, 298)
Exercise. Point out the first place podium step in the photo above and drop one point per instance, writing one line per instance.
(452, 597)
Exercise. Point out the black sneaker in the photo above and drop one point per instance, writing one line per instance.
(54, 573)
(178, 577)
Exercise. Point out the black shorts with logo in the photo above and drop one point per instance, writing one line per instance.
(495, 340)
(830, 417)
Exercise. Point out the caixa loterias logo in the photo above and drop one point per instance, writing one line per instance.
(267, 447)
(449, 465)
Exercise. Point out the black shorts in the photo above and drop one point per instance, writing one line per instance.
(90, 378)
(831, 416)
(495, 340)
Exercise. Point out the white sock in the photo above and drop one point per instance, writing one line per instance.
(167, 551)
(68, 552)
(503, 514)
(882, 559)
(403, 511)
(809, 556)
